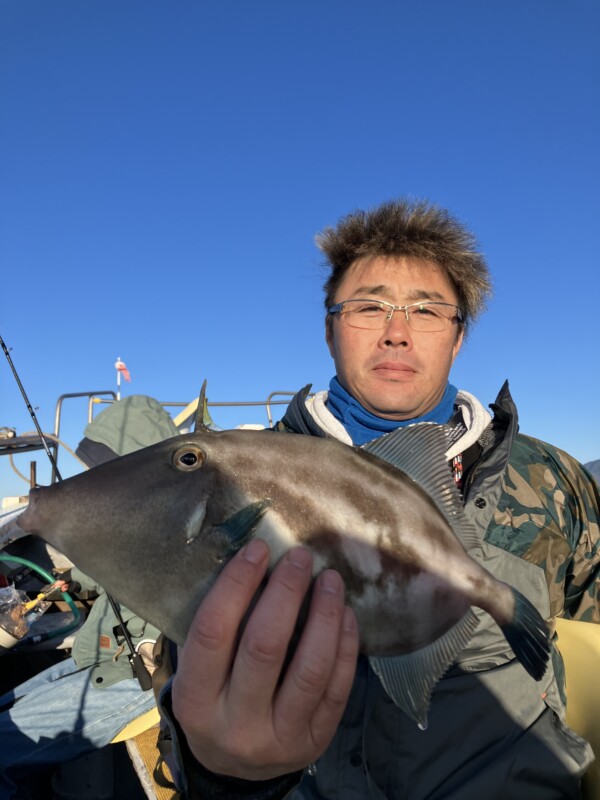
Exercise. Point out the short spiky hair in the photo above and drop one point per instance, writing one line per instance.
(417, 230)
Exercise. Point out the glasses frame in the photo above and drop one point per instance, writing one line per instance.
(338, 308)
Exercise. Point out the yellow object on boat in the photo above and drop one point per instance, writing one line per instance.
(579, 644)
(138, 725)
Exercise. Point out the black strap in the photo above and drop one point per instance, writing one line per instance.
(135, 659)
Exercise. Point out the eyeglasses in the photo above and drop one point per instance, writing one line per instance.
(429, 315)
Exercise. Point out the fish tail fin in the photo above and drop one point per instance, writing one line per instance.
(528, 636)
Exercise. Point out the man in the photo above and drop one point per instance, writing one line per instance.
(79, 704)
(406, 283)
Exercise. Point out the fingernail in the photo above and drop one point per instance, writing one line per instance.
(330, 581)
(255, 551)
(300, 557)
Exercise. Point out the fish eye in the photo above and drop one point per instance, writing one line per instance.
(188, 458)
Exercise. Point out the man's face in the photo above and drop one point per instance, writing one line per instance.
(395, 372)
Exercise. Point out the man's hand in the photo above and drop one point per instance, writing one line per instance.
(240, 716)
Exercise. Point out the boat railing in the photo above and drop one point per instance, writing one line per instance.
(108, 396)
(268, 403)
(58, 415)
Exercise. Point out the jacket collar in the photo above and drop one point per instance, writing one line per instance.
(298, 419)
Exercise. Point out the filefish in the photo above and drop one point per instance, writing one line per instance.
(156, 526)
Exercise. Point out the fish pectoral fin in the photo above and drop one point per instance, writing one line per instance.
(419, 450)
(409, 679)
(240, 527)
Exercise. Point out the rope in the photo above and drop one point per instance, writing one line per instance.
(54, 439)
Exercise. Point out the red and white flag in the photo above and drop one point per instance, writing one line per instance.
(122, 369)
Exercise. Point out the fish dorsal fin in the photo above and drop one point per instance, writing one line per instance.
(409, 679)
(203, 421)
(419, 451)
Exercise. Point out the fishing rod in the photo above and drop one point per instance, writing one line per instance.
(30, 409)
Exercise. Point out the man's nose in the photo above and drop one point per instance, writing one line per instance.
(397, 331)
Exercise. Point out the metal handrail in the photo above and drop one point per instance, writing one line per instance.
(107, 396)
(271, 402)
(230, 403)
(58, 415)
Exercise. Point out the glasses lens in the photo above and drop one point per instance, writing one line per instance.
(365, 314)
(430, 316)
(374, 315)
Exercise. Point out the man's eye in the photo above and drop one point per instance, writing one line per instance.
(424, 311)
(369, 309)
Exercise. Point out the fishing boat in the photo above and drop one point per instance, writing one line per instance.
(133, 755)
(29, 565)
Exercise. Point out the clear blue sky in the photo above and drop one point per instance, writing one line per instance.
(164, 167)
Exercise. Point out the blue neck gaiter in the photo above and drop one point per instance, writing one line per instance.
(363, 427)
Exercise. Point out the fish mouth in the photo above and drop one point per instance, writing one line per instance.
(28, 521)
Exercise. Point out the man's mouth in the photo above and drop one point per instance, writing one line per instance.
(393, 369)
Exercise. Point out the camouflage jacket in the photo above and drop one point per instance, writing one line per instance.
(539, 505)
(548, 515)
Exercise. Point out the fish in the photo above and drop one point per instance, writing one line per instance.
(155, 528)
